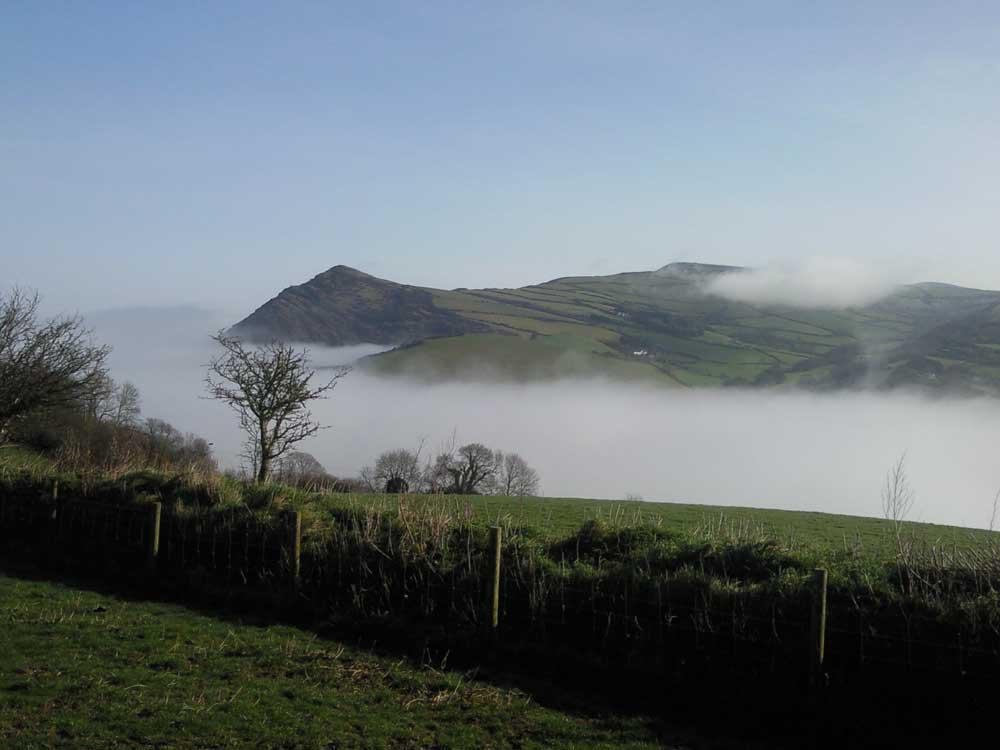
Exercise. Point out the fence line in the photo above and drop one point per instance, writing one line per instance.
(239, 545)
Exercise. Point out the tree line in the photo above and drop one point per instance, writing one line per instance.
(472, 469)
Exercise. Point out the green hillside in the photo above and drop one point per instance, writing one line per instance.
(661, 326)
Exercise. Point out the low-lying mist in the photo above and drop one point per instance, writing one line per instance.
(608, 440)
(815, 282)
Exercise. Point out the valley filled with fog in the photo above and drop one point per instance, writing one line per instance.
(604, 439)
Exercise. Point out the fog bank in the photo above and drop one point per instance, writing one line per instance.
(601, 439)
(823, 283)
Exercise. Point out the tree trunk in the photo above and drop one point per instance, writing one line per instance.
(264, 472)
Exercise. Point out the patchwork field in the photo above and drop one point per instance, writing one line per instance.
(663, 326)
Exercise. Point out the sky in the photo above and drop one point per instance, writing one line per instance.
(212, 154)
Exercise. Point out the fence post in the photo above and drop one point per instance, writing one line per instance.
(152, 537)
(495, 584)
(817, 635)
(295, 547)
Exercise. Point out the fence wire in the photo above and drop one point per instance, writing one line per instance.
(351, 573)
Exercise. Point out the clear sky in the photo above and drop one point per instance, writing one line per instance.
(213, 153)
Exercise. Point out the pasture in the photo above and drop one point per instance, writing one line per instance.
(556, 517)
(86, 669)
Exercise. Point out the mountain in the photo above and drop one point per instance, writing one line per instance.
(343, 306)
(663, 326)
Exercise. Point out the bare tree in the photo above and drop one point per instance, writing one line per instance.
(269, 387)
(165, 445)
(897, 495)
(298, 465)
(469, 470)
(250, 464)
(115, 403)
(515, 478)
(127, 405)
(394, 471)
(897, 501)
(43, 364)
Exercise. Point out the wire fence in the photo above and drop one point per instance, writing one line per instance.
(361, 569)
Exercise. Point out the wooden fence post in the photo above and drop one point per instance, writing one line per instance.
(817, 635)
(495, 584)
(295, 547)
(152, 537)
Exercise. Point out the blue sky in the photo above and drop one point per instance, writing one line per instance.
(214, 153)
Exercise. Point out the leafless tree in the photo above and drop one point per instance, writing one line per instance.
(115, 403)
(300, 468)
(468, 470)
(515, 478)
(897, 501)
(250, 464)
(165, 445)
(297, 464)
(435, 475)
(127, 404)
(270, 387)
(394, 468)
(897, 495)
(44, 364)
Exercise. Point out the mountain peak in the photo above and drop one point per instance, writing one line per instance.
(344, 306)
(344, 272)
(683, 268)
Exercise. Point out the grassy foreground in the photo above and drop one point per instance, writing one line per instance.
(84, 670)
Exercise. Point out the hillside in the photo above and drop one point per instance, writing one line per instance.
(343, 306)
(660, 326)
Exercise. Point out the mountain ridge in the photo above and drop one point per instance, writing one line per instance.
(661, 326)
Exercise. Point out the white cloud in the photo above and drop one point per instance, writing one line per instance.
(817, 282)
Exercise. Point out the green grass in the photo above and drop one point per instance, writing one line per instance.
(16, 458)
(556, 518)
(510, 358)
(550, 328)
(80, 669)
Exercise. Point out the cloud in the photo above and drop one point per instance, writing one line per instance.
(817, 282)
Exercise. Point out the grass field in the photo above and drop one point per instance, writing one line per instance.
(559, 517)
(513, 358)
(80, 669)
